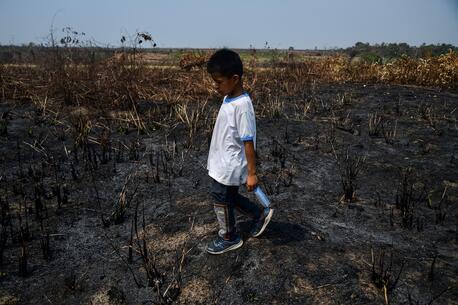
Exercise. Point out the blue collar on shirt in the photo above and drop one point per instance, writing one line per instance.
(231, 99)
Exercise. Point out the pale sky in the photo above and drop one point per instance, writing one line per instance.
(236, 24)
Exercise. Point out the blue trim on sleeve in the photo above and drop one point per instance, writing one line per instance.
(231, 99)
(247, 138)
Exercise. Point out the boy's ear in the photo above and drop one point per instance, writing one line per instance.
(236, 78)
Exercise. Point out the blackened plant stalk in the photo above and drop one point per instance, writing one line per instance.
(408, 195)
(155, 279)
(375, 124)
(350, 166)
(384, 276)
(45, 242)
(389, 131)
(124, 201)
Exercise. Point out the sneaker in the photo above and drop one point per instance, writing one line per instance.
(221, 245)
(260, 225)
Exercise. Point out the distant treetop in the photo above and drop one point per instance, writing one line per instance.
(393, 50)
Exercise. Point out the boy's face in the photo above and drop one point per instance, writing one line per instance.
(223, 84)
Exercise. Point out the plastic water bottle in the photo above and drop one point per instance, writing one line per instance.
(261, 196)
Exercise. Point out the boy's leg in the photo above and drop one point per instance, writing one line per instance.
(224, 206)
(247, 207)
(261, 216)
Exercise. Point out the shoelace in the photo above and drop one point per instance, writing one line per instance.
(220, 242)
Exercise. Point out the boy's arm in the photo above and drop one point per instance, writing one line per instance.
(252, 179)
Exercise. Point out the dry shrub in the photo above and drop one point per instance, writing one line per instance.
(82, 126)
(190, 60)
(123, 80)
(441, 71)
(19, 83)
(291, 79)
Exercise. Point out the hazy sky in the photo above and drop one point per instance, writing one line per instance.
(236, 23)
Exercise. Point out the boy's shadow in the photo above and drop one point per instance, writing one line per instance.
(280, 233)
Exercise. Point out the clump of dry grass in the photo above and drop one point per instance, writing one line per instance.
(272, 107)
(192, 116)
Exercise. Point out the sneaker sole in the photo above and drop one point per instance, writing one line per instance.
(266, 222)
(233, 247)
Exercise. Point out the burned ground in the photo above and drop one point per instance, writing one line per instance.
(73, 184)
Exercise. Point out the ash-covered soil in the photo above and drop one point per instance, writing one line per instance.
(76, 207)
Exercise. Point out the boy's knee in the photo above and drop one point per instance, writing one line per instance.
(218, 193)
(222, 194)
(218, 197)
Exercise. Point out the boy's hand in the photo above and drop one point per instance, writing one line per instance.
(251, 182)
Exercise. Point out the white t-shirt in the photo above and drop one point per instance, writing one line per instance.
(235, 124)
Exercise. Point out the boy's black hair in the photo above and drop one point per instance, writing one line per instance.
(226, 62)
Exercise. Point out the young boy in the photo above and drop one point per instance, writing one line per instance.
(231, 159)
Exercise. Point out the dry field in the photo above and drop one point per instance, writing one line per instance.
(103, 187)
